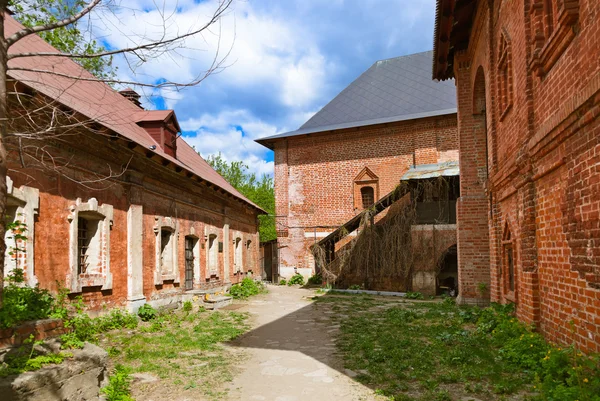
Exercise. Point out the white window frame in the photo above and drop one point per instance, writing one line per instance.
(210, 269)
(26, 200)
(102, 276)
(164, 273)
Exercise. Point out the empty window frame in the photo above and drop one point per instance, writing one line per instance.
(367, 195)
(213, 253)
(237, 255)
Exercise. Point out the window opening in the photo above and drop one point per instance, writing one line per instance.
(368, 197)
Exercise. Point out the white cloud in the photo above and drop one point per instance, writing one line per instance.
(287, 59)
(232, 134)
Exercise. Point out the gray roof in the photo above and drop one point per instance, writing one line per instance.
(396, 89)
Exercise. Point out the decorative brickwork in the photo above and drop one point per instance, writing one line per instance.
(318, 178)
(545, 180)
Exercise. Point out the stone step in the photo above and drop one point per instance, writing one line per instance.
(217, 302)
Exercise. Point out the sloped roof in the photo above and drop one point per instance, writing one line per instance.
(395, 89)
(74, 87)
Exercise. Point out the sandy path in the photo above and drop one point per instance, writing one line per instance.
(291, 353)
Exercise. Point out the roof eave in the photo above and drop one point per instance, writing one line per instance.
(269, 141)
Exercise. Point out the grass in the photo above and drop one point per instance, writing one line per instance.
(420, 351)
(182, 348)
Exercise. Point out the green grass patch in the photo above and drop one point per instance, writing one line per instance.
(182, 348)
(438, 351)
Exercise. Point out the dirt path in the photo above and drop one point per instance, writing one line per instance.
(291, 353)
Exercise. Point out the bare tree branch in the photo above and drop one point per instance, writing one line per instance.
(15, 37)
(161, 43)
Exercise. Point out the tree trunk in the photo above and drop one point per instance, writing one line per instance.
(3, 133)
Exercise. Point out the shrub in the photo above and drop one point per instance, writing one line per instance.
(116, 319)
(316, 279)
(560, 373)
(297, 279)
(119, 384)
(22, 303)
(413, 295)
(282, 281)
(188, 306)
(246, 288)
(147, 312)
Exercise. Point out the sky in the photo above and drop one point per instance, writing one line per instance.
(282, 61)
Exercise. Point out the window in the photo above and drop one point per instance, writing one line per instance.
(167, 234)
(552, 24)
(237, 254)
(367, 195)
(89, 244)
(213, 251)
(166, 251)
(504, 76)
(509, 272)
(21, 207)
(249, 258)
(191, 261)
(366, 189)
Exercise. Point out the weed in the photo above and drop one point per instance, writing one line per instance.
(282, 281)
(316, 279)
(413, 295)
(354, 287)
(119, 383)
(147, 312)
(188, 306)
(296, 279)
(246, 288)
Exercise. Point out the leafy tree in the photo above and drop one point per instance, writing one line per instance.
(68, 38)
(260, 191)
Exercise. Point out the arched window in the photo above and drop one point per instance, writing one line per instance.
(509, 262)
(367, 195)
(504, 75)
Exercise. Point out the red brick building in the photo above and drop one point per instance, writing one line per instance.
(117, 206)
(528, 85)
(356, 149)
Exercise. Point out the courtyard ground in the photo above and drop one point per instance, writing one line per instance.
(295, 344)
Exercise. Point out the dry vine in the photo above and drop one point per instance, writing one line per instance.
(386, 250)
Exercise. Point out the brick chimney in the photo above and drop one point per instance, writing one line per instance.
(132, 95)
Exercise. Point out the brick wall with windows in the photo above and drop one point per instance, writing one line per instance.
(542, 197)
(323, 180)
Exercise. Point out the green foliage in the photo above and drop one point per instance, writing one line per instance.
(413, 295)
(68, 39)
(116, 319)
(246, 288)
(147, 312)
(260, 191)
(354, 287)
(187, 350)
(282, 281)
(22, 303)
(296, 279)
(84, 328)
(316, 279)
(188, 306)
(561, 373)
(119, 385)
(26, 359)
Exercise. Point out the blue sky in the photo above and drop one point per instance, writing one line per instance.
(287, 59)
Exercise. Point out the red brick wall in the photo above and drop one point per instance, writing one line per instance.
(160, 191)
(543, 154)
(315, 175)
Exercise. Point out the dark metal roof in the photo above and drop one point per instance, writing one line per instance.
(395, 89)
